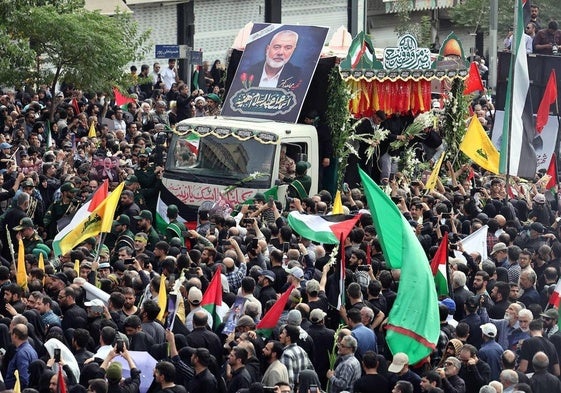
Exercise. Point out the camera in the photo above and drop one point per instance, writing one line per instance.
(128, 261)
(285, 246)
(119, 346)
(183, 250)
(225, 242)
(57, 355)
(453, 246)
(313, 389)
(363, 268)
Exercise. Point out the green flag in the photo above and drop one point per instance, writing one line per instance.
(413, 323)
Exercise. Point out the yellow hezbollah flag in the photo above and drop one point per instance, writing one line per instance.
(92, 133)
(100, 220)
(17, 384)
(477, 146)
(41, 265)
(162, 298)
(21, 275)
(337, 204)
(431, 182)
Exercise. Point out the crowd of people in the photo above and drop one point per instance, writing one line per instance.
(498, 331)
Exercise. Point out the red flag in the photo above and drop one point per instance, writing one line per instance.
(61, 388)
(121, 99)
(552, 171)
(473, 81)
(471, 174)
(270, 319)
(75, 105)
(555, 297)
(99, 195)
(549, 97)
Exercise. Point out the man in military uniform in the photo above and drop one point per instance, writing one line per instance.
(36, 208)
(26, 232)
(132, 184)
(125, 237)
(59, 208)
(174, 228)
(12, 218)
(128, 207)
(144, 224)
(149, 179)
(300, 186)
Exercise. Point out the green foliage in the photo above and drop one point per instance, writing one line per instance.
(455, 116)
(338, 116)
(53, 41)
(475, 13)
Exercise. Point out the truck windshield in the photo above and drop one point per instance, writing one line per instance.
(223, 157)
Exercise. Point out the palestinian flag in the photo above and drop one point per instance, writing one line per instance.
(165, 199)
(212, 299)
(271, 318)
(439, 267)
(322, 229)
(413, 323)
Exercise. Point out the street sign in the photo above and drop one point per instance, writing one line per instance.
(196, 57)
(171, 51)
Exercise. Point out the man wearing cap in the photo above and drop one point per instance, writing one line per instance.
(149, 179)
(323, 337)
(144, 223)
(26, 232)
(550, 318)
(301, 184)
(400, 372)
(500, 253)
(132, 184)
(531, 237)
(213, 103)
(175, 228)
(125, 238)
(194, 298)
(12, 218)
(59, 208)
(295, 277)
(266, 280)
(490, 351)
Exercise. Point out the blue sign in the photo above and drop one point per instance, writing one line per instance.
(167, 52)
(196, 57)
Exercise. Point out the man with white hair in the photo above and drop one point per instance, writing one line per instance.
(522, 332)
(461, 293)
(507, 325)
(508, 378)
(348, 369)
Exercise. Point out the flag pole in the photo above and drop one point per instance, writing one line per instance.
(99, 245)
(513, 53)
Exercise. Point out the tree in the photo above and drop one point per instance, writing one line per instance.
(475, 13)
(61, 41)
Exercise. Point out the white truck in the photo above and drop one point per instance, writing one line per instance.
(207, 155)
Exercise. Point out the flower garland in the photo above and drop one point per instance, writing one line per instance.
(338, 120)
(454, 125)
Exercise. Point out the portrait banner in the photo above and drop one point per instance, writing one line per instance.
(275, 72)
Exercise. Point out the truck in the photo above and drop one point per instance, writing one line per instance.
(228, 160)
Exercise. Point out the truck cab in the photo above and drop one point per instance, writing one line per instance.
(213, 159)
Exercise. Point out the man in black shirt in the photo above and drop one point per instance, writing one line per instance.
(203, 380)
